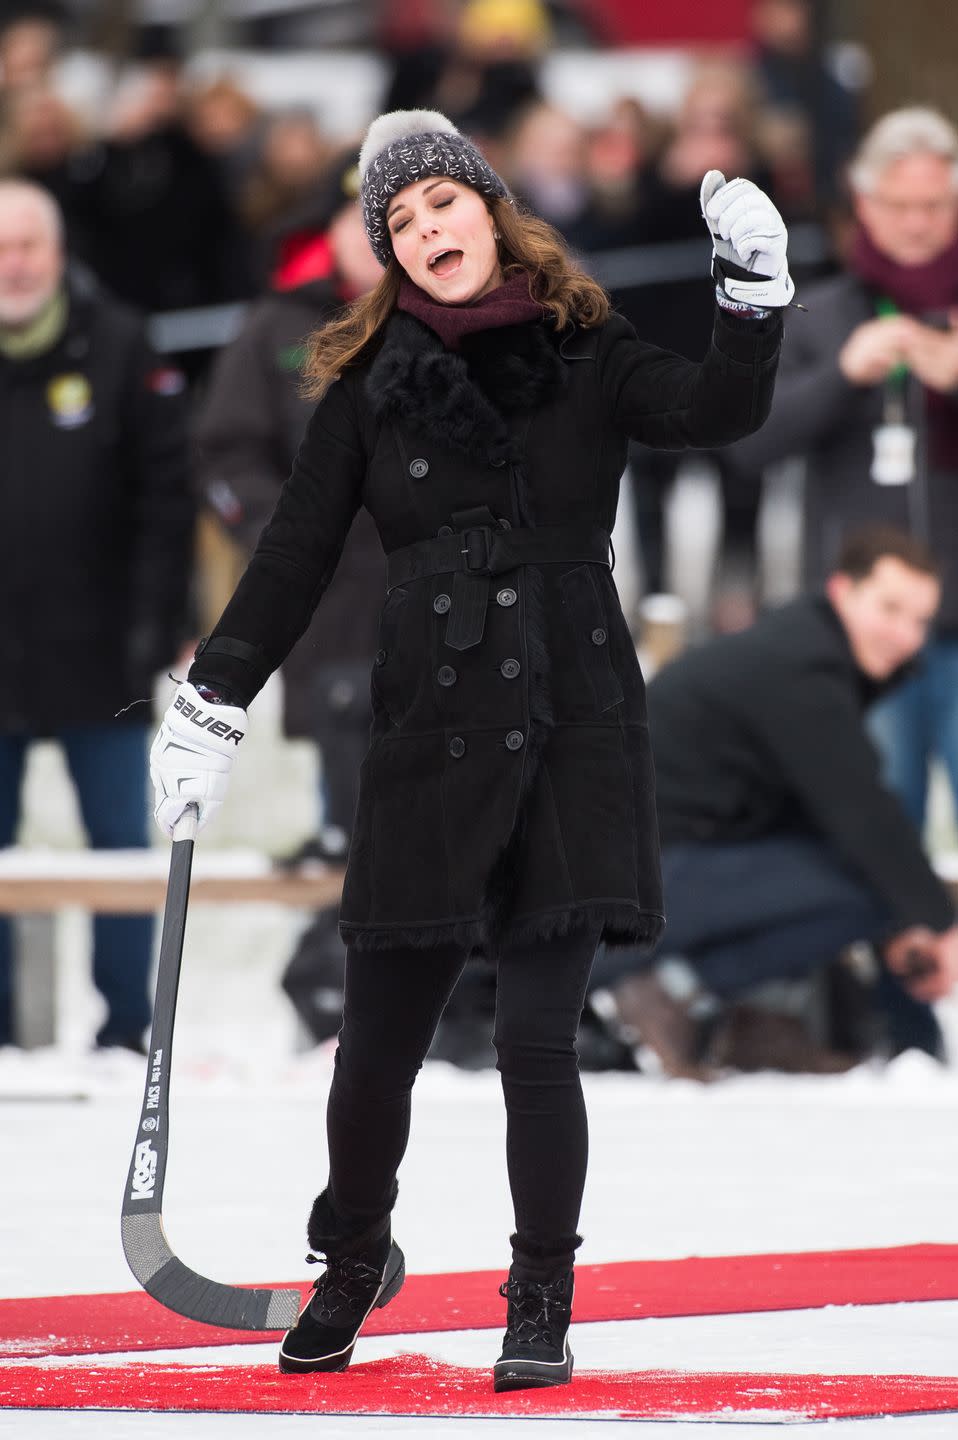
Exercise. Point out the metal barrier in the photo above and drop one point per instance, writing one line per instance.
(634, 268)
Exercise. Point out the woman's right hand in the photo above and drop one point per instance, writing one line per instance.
(192, 755)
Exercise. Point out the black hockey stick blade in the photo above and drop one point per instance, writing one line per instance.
(145, 1246)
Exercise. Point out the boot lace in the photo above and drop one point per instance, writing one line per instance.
(347, 1287)
(533, 1308)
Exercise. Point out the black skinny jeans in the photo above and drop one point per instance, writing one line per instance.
(393, 1003)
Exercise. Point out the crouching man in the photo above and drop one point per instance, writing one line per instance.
(780, 843)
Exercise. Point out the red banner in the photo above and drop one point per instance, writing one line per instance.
(671, 22)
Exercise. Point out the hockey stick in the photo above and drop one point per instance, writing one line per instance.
(147, 1251)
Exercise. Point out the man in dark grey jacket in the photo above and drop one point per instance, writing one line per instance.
(780, 844)
(867, 393)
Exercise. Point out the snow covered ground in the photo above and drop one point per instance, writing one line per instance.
(763, 1164)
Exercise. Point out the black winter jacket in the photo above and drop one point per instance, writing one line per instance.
(97, 515)
(508, 788)
(762, 733)
(247, 436)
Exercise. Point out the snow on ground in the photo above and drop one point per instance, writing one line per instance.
(100, 1426)
(753, 1165)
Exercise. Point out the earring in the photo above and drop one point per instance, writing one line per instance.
(495, 234)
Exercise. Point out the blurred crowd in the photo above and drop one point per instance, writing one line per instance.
(180, 191)
(178, 185)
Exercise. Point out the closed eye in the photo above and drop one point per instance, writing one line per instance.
(437, 205)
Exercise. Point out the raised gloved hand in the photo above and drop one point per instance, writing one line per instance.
(749, 237)
(192, 756)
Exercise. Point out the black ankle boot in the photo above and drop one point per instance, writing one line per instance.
(363, 1273)
(535, 1347)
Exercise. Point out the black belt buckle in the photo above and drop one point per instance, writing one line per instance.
(478, 550)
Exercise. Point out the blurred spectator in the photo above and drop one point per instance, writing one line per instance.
(810, 118)
(546, 159)
(616, 153)
(248, 435)
(164, 234)
(291, 162)
(226, 123)
(866, 392)
(715, 128)
(46, 141)
(478, 67)
(30, 39)
(780, 844)
(94, 561)
(415, 37)
(492, 75)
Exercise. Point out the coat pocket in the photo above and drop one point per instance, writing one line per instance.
(388, 687)
(582, 603)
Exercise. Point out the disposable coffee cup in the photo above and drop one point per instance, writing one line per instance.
(663, 625)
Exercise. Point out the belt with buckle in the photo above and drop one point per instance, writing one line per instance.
(475, 553)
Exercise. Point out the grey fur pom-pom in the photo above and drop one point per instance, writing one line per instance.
(400, 125)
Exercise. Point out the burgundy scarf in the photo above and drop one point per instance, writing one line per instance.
(916, 289)
(928, 290)
(509, 304)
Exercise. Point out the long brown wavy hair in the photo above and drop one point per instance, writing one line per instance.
(525, 243)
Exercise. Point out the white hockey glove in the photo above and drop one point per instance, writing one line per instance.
(192, 756)
(749, 237)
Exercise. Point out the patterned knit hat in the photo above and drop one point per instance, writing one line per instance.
(408, 145)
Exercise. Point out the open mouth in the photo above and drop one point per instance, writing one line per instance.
(446, 262)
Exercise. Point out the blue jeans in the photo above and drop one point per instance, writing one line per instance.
(919, 721)
(771, 909)
(767, 909)
(108, 764)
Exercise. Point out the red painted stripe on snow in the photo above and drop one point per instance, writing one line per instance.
(416, 1385)
(624, 1290)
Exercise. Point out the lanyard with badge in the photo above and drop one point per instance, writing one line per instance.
(894, 440)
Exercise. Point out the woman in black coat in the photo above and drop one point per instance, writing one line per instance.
(478, 403)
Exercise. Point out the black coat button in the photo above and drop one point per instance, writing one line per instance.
(446, 675)
(419, 468)
(514, 740)
(510, 669)
(441, 604)
(506, 597)
(599, 636)
(443, 531)
(457, 747)
(380, 657)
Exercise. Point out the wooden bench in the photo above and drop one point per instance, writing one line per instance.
(34, 884)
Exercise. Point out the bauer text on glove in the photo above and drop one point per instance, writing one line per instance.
(192, 756)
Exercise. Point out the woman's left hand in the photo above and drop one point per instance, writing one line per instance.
(749, 237)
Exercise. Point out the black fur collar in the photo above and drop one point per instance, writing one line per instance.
(463, 400)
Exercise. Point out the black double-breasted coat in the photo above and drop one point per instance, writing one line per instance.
(508, 786)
